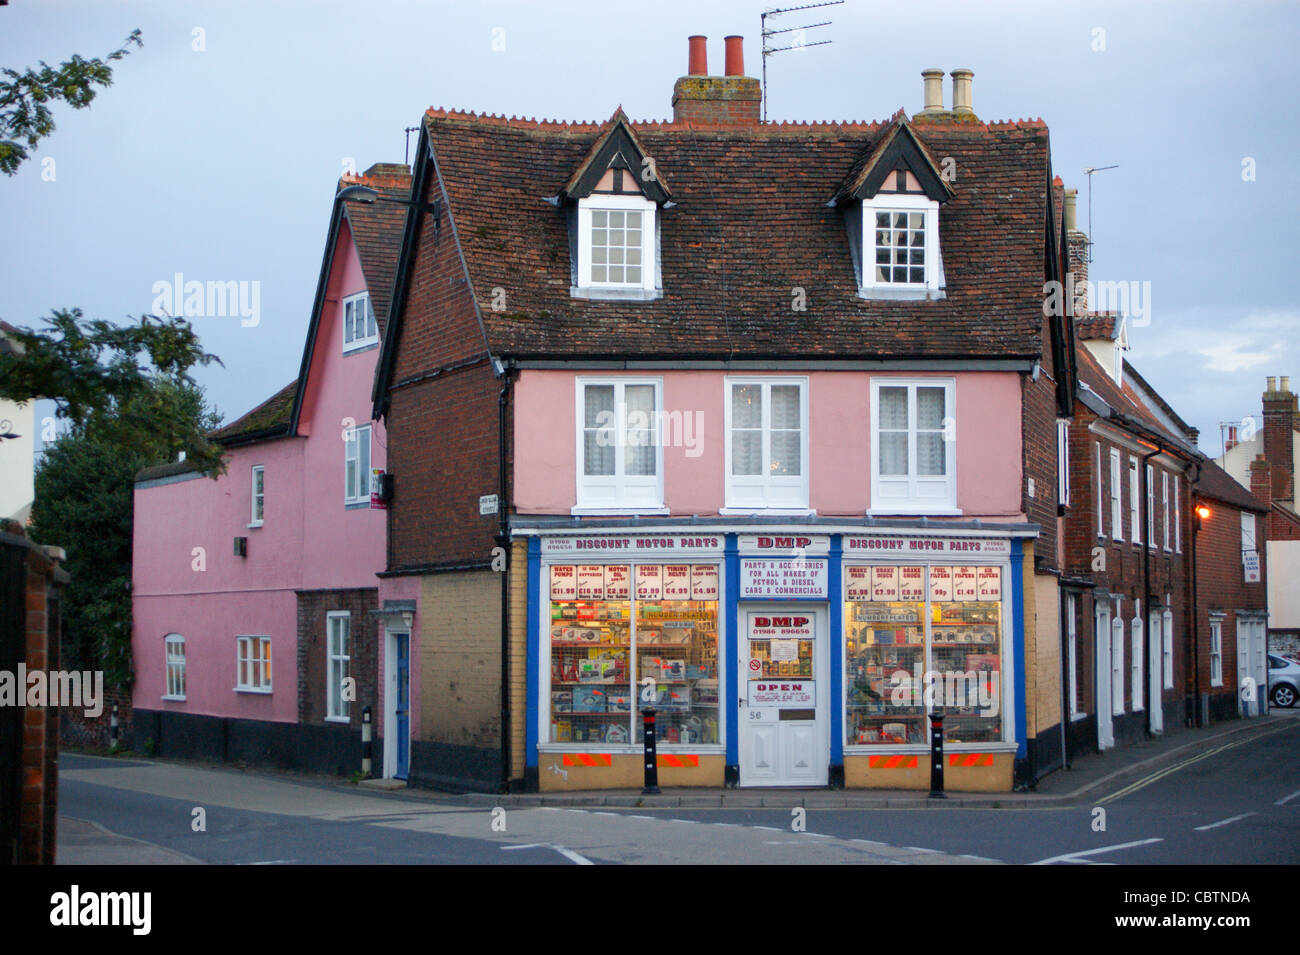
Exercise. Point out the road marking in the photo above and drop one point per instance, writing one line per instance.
(1161, 774)
(684, 820)
(871, 842)
(1223, 822)
(769, 828)
(646, 818)
(569, 854)
(1079, 856)
(1286, 799)
(919, 849)
(979, 858)
(272, 862)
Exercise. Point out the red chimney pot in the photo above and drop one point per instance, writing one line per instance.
(735, 64)
(697, 63)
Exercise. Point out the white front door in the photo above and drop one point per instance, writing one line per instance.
(1252, 678)
(784, 687)
(1105, 729)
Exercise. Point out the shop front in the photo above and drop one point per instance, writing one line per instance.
(792, 659)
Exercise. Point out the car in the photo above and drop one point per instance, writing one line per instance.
(1283, 680)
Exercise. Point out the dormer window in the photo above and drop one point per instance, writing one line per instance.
(894, 235)
(613, 200)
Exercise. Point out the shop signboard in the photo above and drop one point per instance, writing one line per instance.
(591, 582)
(783, 577)
(911, 583)
(900, 546)
(577, 546)
(677, 581)
(563, 583)
(964, 583)
(649, 582)
(704, 582)
(617, 581)
(990, 583)
(783, 693)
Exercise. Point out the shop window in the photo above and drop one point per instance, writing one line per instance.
(624, 636)
(338, 650)
(356, 465)
(767, 447)
(913, 460)
(620, 454)
(254, 664)
(888, 687)
(174, 647)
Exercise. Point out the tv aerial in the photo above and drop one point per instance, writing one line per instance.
(798, 40)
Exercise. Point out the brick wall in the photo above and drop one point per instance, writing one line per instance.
(76, 729)
(460, 659)
(364, 633)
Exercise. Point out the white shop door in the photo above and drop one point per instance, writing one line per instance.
(784, 683)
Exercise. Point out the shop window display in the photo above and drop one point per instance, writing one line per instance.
(917, 639)
(628, 636)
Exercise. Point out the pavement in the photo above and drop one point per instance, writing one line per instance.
(1094, 778)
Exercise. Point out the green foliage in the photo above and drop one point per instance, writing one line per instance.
(84, 499)
(95, 368)
(25, 119)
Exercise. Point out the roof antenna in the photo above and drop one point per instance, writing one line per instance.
(1088, 172)
(409, 130)
(798, 42)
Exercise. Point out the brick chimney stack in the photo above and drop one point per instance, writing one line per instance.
(731, 100)
(1261, 482)
(1076, 249)
(1280, 415)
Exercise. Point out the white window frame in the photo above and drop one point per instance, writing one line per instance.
(353, 461)
(900, 202)
(1164, 499)
(258, 507)
(619, 492)
(1117, 663)
(618, 203)
(1151, 507)
(746, 493)
(174, 666)
(1167, 647)
(1116, 496)
(1249, 542)
(1071, 629)
(337, 621)
(882, 501)
(1101, 510)
(259, 679)
(1063, 462)
(1137, 658)
(353, 342)
(1216, 651)
(1178, 518)
(1134, 501)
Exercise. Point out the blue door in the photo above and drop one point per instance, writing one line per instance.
(403, 707)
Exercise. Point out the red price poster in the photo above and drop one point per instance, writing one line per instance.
(591, 582)
(618, 582)
(940, 584)
(884, 583)
(563, 583)
(911, 584)
(859, 583)
(677, 582)
(964, 585)
(990, 583)
(649, 582)
(704, 582)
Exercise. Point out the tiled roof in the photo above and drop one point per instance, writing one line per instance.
(750, 225)
(1219, 484)
(377, 230)
(1095, 326)
(1125, 400)
(270, 419)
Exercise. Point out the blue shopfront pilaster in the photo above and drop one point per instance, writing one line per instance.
(1018, 641)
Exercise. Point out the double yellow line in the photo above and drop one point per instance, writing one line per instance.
(1162, 773)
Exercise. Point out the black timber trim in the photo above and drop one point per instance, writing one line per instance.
(318, 304)
(618, 145)
(901, 149)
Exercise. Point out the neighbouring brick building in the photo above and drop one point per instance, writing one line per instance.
(754, 422)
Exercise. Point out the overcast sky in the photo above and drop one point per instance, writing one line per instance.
(216, 151)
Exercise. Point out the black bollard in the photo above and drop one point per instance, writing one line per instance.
(367, 743)
(936, 755)
(651, 757)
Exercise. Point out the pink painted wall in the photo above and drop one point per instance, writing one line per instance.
(989, 458)
(308, 540)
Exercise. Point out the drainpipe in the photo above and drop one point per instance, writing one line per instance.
(1146, 590)
(504, 372)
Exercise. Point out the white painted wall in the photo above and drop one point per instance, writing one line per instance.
(1283, 566)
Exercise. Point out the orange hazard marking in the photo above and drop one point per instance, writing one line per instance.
(970, 759)
(586, 759)
(892, 762)
(668, 759)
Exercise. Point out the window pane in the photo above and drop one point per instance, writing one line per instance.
(785, 453)
(597, 455)
(363, 476)
(893, 453)
(746, 406)
(371, 329)
(930, 407)
(893, 408)
(634, 220)
(599, 218)
(746, 452)
(785, 406)
(930, 453)
(616, 220)
(598, 402)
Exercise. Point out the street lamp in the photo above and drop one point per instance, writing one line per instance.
(1200, 514)
(365, 194)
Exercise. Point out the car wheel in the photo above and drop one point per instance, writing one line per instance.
(1284, 695)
